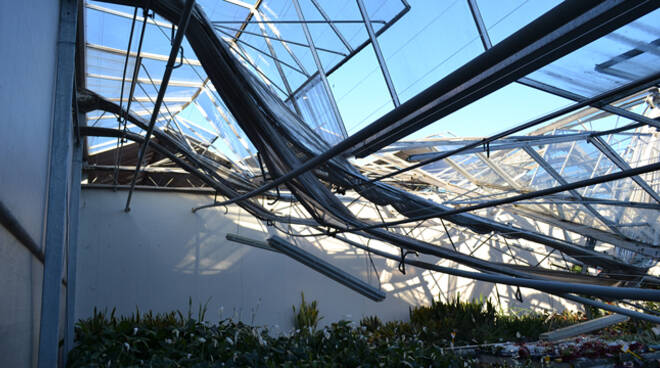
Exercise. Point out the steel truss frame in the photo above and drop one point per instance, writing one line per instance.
(564, 29)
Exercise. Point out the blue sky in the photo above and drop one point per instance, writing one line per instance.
(431, 41)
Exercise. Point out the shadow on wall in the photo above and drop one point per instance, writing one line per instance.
(160, 254)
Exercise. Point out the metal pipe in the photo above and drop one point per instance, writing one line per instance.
(176, 44)
(296, 22)
(128, 49)
(326, 268)
(562, 182)
(332, 25)
(136, 69)
(319, 66)
(240, 52)
(72, 251)
(560, 289)
(379, 53)
(244, 25)
(518, 143)
(271, 56)
(282, 40)
(539, 193)
(600, 291)
(372, 128)
(207, 174)
(59, 176)
(333, 69)
(251, 242)
(612, 95)
(479, 22)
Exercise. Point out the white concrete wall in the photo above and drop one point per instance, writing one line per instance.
(160, 254)
(28, 31)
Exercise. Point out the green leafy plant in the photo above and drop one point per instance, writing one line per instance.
(178, 339)
(371, 323)
(478, 321)
(307, 317)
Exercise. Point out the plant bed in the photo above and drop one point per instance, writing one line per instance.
(453, 334)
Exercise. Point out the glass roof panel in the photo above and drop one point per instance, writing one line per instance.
(627, 54)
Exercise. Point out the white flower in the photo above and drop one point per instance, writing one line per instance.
(202, 340)
(128, 347)
(189, 355)
(135, 330)
(168, 341)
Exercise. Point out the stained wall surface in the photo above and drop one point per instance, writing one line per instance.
(28, 31)
(160, 254)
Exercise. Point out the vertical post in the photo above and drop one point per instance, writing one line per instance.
(319, 66)
(58, 182)
(72, 251)
(379, 53)
(176, 44)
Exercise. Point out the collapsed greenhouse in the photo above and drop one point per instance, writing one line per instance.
(161, 151)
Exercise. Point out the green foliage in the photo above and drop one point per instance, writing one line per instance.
(371, 323)
(307, 317)
(168, 340)
(177, 340)
(477, 322)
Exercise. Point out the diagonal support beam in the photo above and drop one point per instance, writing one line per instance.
(176, 44)
(560, 179)
(605, 148)
(379, 53)
(332, 25)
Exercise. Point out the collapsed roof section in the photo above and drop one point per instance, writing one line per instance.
(242, 122)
